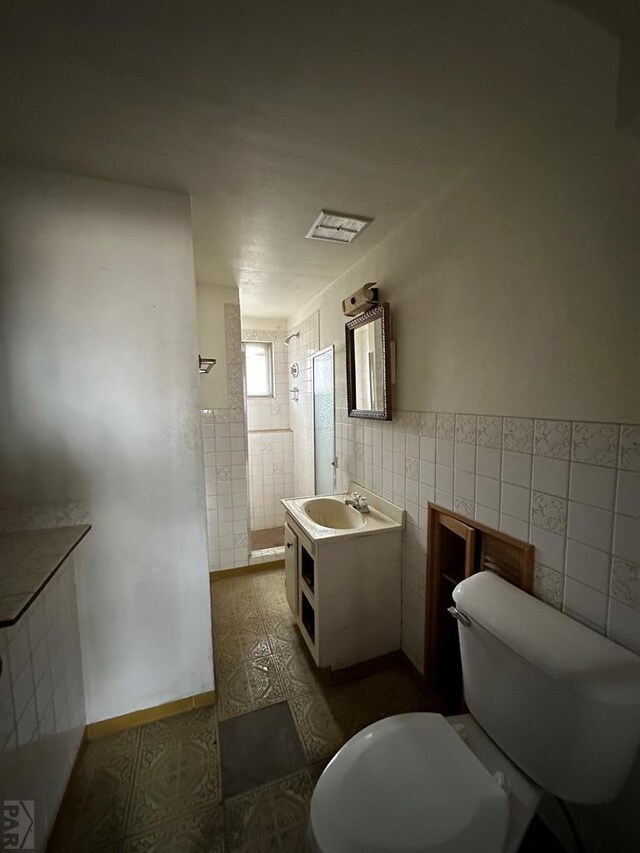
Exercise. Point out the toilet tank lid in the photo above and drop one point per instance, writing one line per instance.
(556, 644)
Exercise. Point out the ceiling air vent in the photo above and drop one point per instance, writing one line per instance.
(337, 227)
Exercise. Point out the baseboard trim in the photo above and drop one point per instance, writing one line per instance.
(149, 715)
(334, 677)
(221, 574)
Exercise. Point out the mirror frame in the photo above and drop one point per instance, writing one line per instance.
(380, 312)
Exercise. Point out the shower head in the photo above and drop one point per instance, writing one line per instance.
(294, 335)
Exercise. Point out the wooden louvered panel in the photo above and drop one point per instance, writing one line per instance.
(511, 561)
(458, 547)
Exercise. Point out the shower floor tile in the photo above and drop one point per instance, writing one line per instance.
(271, 537)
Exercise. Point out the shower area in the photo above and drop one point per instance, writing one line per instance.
(279, 388)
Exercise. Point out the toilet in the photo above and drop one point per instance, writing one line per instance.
(553, 707)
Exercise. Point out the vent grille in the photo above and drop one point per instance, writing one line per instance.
(337, 227)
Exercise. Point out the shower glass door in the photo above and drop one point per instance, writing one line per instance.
(323, 421)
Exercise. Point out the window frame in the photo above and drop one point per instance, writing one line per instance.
(271, 370)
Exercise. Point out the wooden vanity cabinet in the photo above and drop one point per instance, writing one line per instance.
(457, 548)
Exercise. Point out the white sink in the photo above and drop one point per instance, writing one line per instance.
(328, 517)
(333, 514)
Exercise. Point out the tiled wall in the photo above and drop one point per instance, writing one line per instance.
(42, 709)
(225, 450)
(270, 439)
(270, 476)
(301, 411)
(570, 488)
(224, 433)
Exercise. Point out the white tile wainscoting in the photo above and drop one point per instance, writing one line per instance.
(225, 461)
(572, 489)
(226, 442)
(270, 439)
(225, 472)
(270, 476)
(42, 709)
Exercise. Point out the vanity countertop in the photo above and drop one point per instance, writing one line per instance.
(28, 560)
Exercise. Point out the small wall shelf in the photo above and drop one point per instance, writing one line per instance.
(457, 548)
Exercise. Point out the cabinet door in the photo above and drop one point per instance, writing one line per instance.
(451, 559)
(291, 568)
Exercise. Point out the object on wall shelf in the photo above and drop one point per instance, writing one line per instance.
(361, 300)
(294, 394)
(205, 364)
(295, 369)
(457, 548)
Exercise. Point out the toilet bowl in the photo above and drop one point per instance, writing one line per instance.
(421, 782)
(553, 706)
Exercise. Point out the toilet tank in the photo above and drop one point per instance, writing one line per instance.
(560, 700)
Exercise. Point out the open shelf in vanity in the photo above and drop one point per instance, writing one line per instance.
(307, 595)
(308, 617)
(307, 569)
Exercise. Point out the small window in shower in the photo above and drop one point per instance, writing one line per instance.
(259, 368)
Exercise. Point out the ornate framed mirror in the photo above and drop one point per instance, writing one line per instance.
(369, 364)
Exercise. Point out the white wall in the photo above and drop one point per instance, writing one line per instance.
(271, 323)
(516, 289)
(100, 401)
(212, 343)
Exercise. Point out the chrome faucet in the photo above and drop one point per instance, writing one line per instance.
(357, 502)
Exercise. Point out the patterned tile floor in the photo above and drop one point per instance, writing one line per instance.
(157, 787)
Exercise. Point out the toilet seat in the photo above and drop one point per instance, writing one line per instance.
(408, 784)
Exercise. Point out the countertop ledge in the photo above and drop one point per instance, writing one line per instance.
(28, 561)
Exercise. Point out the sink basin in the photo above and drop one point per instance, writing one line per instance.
(328, 517)
(333, 514)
